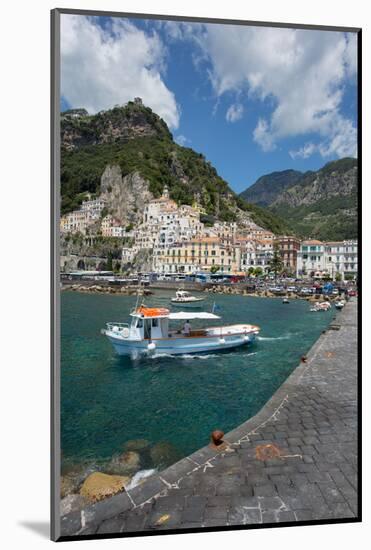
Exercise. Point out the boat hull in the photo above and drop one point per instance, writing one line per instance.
(180, 346)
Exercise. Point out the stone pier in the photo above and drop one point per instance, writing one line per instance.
(295, 461)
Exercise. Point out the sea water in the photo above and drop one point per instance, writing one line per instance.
(108, 400)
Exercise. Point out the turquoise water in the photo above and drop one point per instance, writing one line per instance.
(107, 400)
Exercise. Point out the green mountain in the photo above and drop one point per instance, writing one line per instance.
(266, 189)
(138, 144)
(320, 204)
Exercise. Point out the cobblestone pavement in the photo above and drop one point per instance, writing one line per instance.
(294, 461)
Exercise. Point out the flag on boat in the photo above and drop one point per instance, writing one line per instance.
(216, 307)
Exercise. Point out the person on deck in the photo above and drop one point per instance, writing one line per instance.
(187, 328)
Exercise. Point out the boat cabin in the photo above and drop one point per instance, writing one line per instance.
(153, 322)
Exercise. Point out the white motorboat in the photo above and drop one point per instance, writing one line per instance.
(339, 304)
(185, 298)
(149, 332)
(321, 306)
(285, 300)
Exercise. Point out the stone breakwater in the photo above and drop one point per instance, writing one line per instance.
(107, 289)
(296, 460)
(245, 291)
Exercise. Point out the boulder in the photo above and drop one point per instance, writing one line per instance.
(98, 486)
(164, 454)
(72, 503)
(126, 463)
(138, 445)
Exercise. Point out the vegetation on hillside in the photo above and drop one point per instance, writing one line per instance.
(334, 219)
(156, 157)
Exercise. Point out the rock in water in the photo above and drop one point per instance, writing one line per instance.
(99, 486)
(72, 503)
(164, 454)
(137, 445)
(127, 463)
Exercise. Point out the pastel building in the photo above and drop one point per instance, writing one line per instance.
(311, 258)
(342, 257)
(200, 254)
(289, 247)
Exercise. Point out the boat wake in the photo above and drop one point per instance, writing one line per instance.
(271, 338)
(201, 356)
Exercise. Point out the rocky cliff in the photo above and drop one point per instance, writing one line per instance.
(320, 204)
(128, 155)
(119, 124)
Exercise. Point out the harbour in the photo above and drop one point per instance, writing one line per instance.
(295, 460)
(109, 400)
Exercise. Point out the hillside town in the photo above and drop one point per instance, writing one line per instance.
(178, 242)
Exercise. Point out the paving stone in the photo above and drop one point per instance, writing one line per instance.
(303, 515)
(170, 503)
(159, 519)
(192, 515)
(269, 517)
(266, 490)
(114, 525)
(284, 515)
(216, 512)
(242, 515)
(195, 501)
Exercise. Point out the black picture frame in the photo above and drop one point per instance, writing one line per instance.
(55, 275)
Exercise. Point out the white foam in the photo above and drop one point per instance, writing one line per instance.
(138, 477)
(269, 338)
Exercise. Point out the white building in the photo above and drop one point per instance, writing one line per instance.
(342, 257)
(127, 254)
(318, 259)
(78, 221)
(311, 258)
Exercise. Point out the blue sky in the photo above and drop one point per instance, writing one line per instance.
(253, 100)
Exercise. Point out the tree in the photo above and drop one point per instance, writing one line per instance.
(251, 271)
(338, 277)
(109, 262)
(276, 263)
(116, 267)
(214, 269)
(258, 271)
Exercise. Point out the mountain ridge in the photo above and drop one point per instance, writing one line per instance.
(320, 204)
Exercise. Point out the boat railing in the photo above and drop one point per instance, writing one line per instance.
(117, 326)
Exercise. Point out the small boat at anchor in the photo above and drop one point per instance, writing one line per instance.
(149, 332)
(321, 306)
(185, 298)
(339, 304)
(285, 300)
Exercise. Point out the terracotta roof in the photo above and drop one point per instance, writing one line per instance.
(312, 242)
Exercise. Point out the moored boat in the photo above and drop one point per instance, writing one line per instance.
(149, 332)
(321, 306)
(185, 298)
(339, 304)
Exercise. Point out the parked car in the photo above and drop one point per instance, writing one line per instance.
(352, 292)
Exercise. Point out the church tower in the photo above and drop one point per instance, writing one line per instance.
(165, 192)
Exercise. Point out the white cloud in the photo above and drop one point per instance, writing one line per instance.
(182, 140)
(263, 136)
(235, 112)
(304, 152)
(300, 76)
(102, 68)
